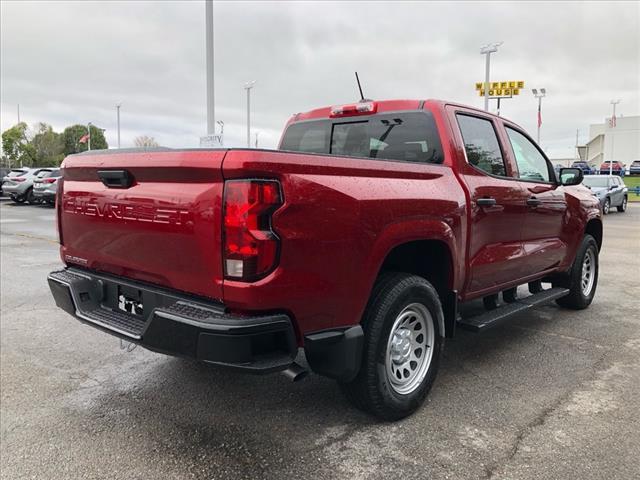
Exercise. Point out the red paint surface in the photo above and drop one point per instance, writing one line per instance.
(340, 218)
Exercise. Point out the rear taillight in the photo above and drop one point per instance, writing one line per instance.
(50, 180)
(18, 179)
(250, 246)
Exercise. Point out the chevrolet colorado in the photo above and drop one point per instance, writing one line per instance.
(358, 241)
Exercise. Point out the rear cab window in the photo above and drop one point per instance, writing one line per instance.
(402, 136)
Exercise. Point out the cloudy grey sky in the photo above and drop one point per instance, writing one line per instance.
(71, 62)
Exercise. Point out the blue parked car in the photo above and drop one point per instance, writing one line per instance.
(584, 166)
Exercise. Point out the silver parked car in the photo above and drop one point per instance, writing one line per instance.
(610, 190)
(46, 185)
(20, 186)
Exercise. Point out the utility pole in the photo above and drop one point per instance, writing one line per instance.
(118, 105)
(89, 139)
(577, 135)
(488, 50)
(248, 86)
(613, 125)
(211, 104)
(539, 95)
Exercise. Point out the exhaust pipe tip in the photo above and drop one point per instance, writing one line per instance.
(295, 372)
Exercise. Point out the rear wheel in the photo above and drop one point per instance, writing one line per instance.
(583, 277)
(19, 198)
(607, 206)
(31, 198)
(623, 206)
(402, 347)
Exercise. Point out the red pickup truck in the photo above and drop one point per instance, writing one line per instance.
(358, 241)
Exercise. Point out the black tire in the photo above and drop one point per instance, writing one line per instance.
(623, 206)
(372, 389)
(577, 298)
(31, 198)
(607, 206)
(19, 199)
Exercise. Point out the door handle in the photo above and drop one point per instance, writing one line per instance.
(533, 202)
(486, 202)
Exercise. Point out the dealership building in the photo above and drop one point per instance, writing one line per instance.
(618, 141)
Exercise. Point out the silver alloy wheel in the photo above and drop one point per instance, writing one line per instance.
(588, 272)
(410, 348)
(607, 205)
(624, 204)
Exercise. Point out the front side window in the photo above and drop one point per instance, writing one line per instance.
(481, 144)
(405, 136)
(531, 163)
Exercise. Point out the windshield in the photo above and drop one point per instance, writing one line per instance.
(596, 181)
(405, 136)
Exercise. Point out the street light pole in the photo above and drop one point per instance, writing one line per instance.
(539, 95)
(248, 86)
(613, 125)
(488, 50)
(118, 105)
(211, 104)
(89, 134)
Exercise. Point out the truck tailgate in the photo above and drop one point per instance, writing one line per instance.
(165, 228)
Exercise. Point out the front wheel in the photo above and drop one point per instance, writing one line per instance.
(582, 280)
(623, 206)
(402, 347)
(607, 206)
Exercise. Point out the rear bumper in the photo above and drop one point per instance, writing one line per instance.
(174, 323)
(14, 189)
(44, 194)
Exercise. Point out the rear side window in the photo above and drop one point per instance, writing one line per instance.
(481, 144)
(531, 163)
(405, 136)
(16, 173)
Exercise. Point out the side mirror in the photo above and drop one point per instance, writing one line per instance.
(571, 176)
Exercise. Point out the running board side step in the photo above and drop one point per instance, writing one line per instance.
(484, 321)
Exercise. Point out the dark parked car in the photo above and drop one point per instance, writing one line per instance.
(610, 190)
(584, 166)
(634, 168)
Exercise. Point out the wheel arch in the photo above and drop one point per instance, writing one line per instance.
(594, 228)
(433, 260)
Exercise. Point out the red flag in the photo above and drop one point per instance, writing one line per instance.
(539, 117)
(84, 138)
(613, 121)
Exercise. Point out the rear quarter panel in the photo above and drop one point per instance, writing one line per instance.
(340, 218)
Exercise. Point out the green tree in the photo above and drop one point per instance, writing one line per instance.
(48, 146)
(16, 146)
(72, 135)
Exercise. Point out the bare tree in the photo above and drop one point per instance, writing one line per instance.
(145, 141)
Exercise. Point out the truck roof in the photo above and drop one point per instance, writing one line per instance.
(384, 106)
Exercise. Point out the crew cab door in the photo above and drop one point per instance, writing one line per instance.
(544, 232)
(497, 203)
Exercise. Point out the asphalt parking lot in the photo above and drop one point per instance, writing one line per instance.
(554, 394)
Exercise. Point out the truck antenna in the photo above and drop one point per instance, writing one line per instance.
(359, 88)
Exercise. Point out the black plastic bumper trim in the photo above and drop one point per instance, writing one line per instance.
(175, 324)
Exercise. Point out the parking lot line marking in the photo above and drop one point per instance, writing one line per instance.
(12, 220)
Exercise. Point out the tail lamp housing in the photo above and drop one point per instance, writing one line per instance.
(250, 246)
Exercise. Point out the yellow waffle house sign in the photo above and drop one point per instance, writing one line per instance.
(501, 89)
